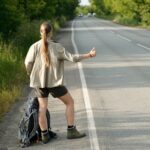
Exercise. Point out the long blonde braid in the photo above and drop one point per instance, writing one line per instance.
(45, 30)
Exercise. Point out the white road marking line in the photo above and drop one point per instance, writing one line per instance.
(90, 116)
(98, 28)
(122, 37)
(147, 48)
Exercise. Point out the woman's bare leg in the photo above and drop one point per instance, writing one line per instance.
(72, 132)
(68, 101)
(43, 102)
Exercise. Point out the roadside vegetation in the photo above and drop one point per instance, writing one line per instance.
(19, 28)
(127, 12)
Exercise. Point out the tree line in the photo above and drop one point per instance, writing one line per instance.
(15, 12)
(135, 12)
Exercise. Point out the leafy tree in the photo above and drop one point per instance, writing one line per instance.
(10, 18)
(99, 5)
(15, 12)
(32, 9)
(144, 11)
(66, 8)
(127, 11)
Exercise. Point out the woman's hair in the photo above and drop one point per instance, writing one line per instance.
(45, 31)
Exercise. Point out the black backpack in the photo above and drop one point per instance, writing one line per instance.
(29, 130)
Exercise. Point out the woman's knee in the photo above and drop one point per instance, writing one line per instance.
(67, 99)
(70, 102)
(42, 104)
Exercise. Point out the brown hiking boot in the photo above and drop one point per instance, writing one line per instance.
(73, 133)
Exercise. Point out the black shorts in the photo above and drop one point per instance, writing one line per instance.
(55, 91)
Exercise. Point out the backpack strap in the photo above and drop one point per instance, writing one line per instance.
(35, 118)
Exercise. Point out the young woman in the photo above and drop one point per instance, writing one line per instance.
(45, 65)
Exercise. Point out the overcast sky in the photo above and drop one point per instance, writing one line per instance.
(84, 2)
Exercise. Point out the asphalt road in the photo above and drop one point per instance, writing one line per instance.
(118, 81)
(111, 91)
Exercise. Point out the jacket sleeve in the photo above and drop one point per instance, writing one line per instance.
(29, 60)
(65, 55)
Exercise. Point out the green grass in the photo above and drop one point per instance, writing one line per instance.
(12, 76)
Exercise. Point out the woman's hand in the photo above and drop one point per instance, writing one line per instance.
(92, 53)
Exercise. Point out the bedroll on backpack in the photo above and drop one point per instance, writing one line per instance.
(29, 130)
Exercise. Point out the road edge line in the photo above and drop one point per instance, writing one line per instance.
(90, 117)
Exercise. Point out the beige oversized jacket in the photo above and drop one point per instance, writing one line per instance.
(52, 76)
